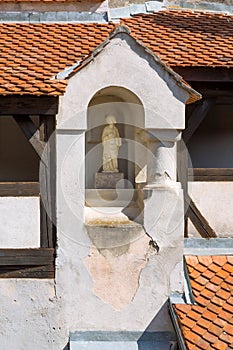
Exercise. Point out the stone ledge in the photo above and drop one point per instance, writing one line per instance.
(122, 340)
(109, 180)
(212, 246)
(44, 17)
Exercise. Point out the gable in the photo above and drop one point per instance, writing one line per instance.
(122, 61)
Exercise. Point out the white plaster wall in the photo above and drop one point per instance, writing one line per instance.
(120, 64)
(19, 222)
(85, 311)
(123, 63)
(31, 316)
(39, 314)
(214, 199)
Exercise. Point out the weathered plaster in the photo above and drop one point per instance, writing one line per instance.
(120, 273)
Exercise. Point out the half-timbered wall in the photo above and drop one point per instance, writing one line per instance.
(18, 160)
(212, 143)
(210, 149)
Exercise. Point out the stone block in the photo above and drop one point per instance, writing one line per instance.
(109, 180)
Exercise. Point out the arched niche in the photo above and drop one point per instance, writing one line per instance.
(129, 113)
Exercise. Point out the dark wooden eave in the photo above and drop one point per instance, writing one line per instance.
(205, 74)
(27, 263)
(28, 105)
(210, 174)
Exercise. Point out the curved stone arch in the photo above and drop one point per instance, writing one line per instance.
(130, 116)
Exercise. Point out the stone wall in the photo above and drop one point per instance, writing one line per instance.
(215, 5)
(209, 5)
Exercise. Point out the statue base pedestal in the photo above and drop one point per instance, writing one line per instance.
(108, 180)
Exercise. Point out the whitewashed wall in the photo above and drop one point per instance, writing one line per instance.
(79, 262)
(40, 314)
(19, 222)
(214, 199)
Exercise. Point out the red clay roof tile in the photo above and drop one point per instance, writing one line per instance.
(209, 325)
(179, 38)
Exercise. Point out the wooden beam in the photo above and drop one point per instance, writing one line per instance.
(210, 174)
(31, 132)
(48, 183)
(196, 117)
(182, 165)
(39, 272)
(19, 189)
(27, 104)
(29, 257)
(205, 74)
(182, 175)
(224, 100)
(215, 92)
(198, 220)
(27, 263)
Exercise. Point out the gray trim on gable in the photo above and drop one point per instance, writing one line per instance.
(212, 246)
(124, 30)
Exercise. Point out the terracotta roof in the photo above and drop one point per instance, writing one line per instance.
(209, 323)
(121, 29)
(32, 54)
(186, 38)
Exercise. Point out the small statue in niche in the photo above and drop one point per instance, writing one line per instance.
(111, 142)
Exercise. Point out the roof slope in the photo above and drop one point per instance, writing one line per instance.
(179, 81)
(31, 55)
(186, 38)
(209, 323)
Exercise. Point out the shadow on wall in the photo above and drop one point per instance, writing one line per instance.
(160, 334)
